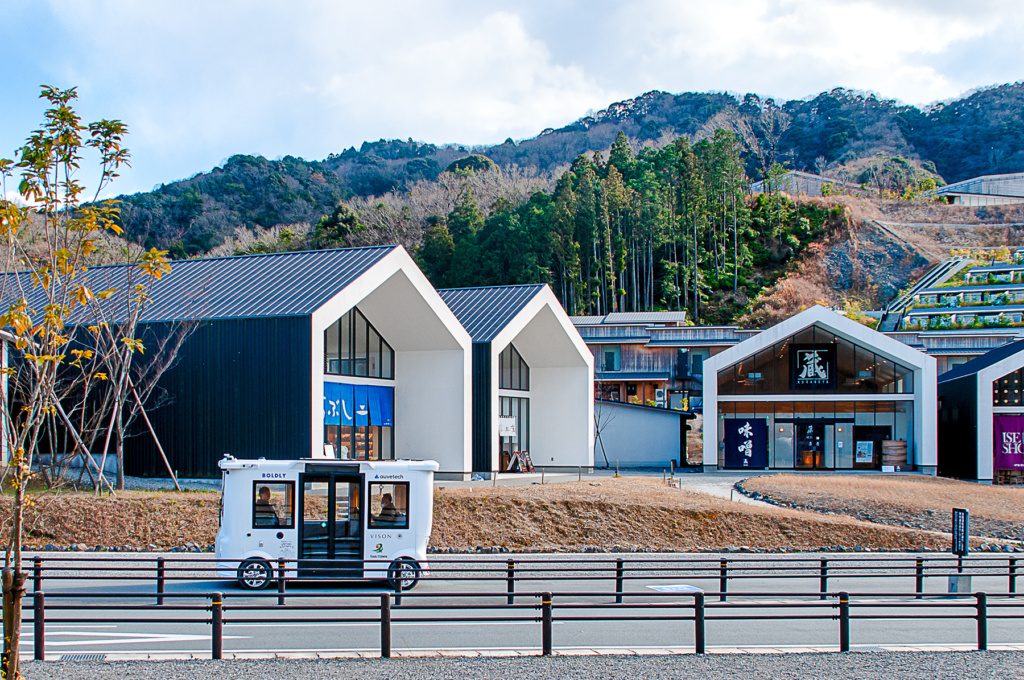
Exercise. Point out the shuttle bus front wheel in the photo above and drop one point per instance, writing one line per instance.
(406, 571)
(254, 574)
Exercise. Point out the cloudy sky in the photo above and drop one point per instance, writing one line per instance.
(199, 80)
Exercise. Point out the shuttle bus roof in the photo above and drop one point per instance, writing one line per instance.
(229, 462)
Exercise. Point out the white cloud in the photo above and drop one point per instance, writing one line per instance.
(198, 81)
(485, 82)
(794, 48)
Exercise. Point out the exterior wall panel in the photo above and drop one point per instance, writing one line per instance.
(483, 444)
(958, 427)
(248, 387)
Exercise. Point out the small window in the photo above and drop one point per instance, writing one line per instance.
(273, 505)
(389, 505)
(612, 359)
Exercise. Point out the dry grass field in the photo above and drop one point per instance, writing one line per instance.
(903, 500)
(642, 513)
(606, 514)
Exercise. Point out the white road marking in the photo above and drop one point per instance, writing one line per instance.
(375, 624)
(121, 638)
(677, 588)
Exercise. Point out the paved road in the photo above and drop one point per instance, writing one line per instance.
(254, 624)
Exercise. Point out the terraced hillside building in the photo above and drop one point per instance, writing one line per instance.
(819, 391)
(533, 379)
(985, 190)
(987, 296)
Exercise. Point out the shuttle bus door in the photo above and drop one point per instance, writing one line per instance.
(331, 538)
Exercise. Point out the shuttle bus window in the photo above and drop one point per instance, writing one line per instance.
(389, 505)
(273, 505)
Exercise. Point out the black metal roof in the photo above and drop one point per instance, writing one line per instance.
(984, 361)
(237, 287)
(484, 312)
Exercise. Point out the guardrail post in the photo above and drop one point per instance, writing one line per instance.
(1012, 577)
(919, 577)
(545, 623)
(982, 607)
(398, 589)
(510, 578)
(385, 625)
(37, 573)
(823, 578)
(281, 582)
(619, 579)
(39, 625)
(698, 623)
(217, 627)
(844, 622)
(161, 577)
(723, 579)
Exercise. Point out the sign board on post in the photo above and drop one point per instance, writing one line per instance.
(961, 531)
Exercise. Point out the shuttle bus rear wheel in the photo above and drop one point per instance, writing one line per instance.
(254, 574)
(406, 571)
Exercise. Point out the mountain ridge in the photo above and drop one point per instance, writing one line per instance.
(979, 133)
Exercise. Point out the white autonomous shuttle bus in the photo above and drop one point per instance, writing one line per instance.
(326, 518)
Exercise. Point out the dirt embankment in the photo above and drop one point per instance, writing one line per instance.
(607, 514)
(916, 502)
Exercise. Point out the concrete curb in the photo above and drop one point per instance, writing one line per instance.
(314, 655)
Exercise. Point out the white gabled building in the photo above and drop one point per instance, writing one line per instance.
(981, 417)
(820, 391)
(533, 378)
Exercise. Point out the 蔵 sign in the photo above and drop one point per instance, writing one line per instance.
(812, 367)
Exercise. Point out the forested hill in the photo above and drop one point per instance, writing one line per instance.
(978, 134)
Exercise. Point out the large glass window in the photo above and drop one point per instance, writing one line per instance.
(513, 427)
(359, 421)
(826, 435)
(816, 361)
(352, 346)
(513, 373)
(273, 505)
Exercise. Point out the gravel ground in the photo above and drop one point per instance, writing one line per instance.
(161, 484)
(975, 665)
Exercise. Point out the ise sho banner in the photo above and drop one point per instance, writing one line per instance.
(1009, 442)
(746, 443)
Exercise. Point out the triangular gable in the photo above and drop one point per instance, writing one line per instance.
(892, 349)
(989, 358)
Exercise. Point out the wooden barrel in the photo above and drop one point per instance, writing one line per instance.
(894, 452)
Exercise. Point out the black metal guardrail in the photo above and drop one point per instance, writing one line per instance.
(220, 610)
(519, 569)
(579, 602)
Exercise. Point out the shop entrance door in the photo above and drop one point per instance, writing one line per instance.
(810, 445)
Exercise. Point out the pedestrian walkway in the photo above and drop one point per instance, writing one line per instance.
(508, 652)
